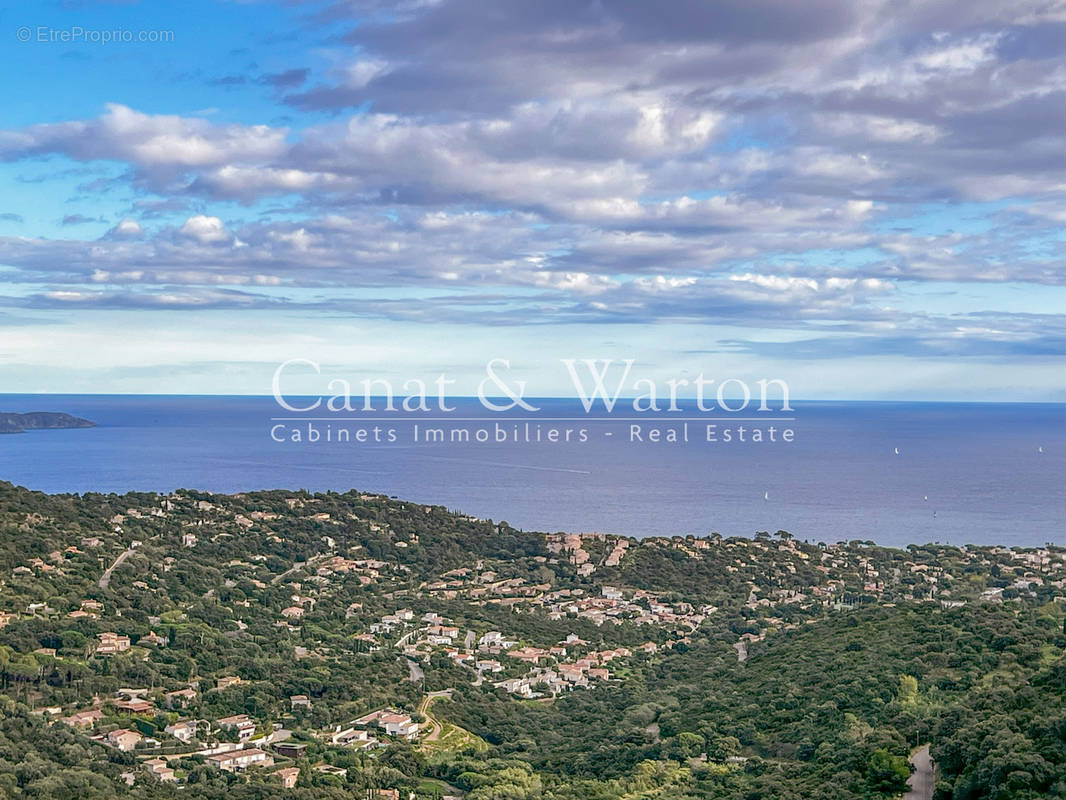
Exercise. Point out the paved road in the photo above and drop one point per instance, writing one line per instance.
(923, 780)
(105, 579)
(404, 639)
(415, 671)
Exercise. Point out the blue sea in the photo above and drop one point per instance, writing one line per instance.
(895, 473)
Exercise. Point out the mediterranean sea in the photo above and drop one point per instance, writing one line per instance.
(894, 473)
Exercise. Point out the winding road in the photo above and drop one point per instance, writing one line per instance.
(433, 724)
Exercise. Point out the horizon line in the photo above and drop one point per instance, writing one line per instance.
(551, 398)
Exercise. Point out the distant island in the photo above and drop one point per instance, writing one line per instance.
(40, 420)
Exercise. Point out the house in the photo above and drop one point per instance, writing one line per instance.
(441, 634)
(227, 681)
(183, 729)
(111, 643)
(350, 737)
(158, 768)
(240, 760)
(519, 686)
(491, 639)
(299, 701)
(394, 723)
(135, 705)
(288, 776)
(242, 723)
(400, 725)
(572, 673)
(290, 749)
(83, 719)
(124, 739)
(528, 654)
(154, 639)
(292, 612)
(180, 698)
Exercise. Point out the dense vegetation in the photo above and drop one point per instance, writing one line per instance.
(855, 655)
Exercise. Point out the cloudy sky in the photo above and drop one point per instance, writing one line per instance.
(864, 197)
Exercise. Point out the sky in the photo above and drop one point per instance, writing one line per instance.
(861, 197)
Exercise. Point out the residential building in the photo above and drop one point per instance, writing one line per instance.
(111, 643)
(240, 760)
(124, 739)
(183, 729)
(288, 776)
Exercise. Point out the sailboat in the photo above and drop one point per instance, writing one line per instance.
(766, 496)
(1040, 449)
(897, 451)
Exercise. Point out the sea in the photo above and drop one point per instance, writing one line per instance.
(895, 473)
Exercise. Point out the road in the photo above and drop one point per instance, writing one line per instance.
(406, 637)
(105, 579)
(298, 566)
(435, 728)
(923, 780)
(415, 671)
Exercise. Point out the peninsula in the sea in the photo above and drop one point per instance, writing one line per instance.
(40, 420)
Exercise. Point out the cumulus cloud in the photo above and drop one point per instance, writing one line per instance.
(205, 230)
(751, 164)
(125, 229)
(154, 144)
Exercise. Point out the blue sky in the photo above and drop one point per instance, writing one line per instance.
(865, 199)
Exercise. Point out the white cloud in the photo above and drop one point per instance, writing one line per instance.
(205, 230)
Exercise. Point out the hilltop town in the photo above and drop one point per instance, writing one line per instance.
(378, 648)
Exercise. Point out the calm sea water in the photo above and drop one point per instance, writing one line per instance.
(964, 472)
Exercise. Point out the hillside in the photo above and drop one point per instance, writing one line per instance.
(148, 642)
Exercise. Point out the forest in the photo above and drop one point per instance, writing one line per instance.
(854, 656)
